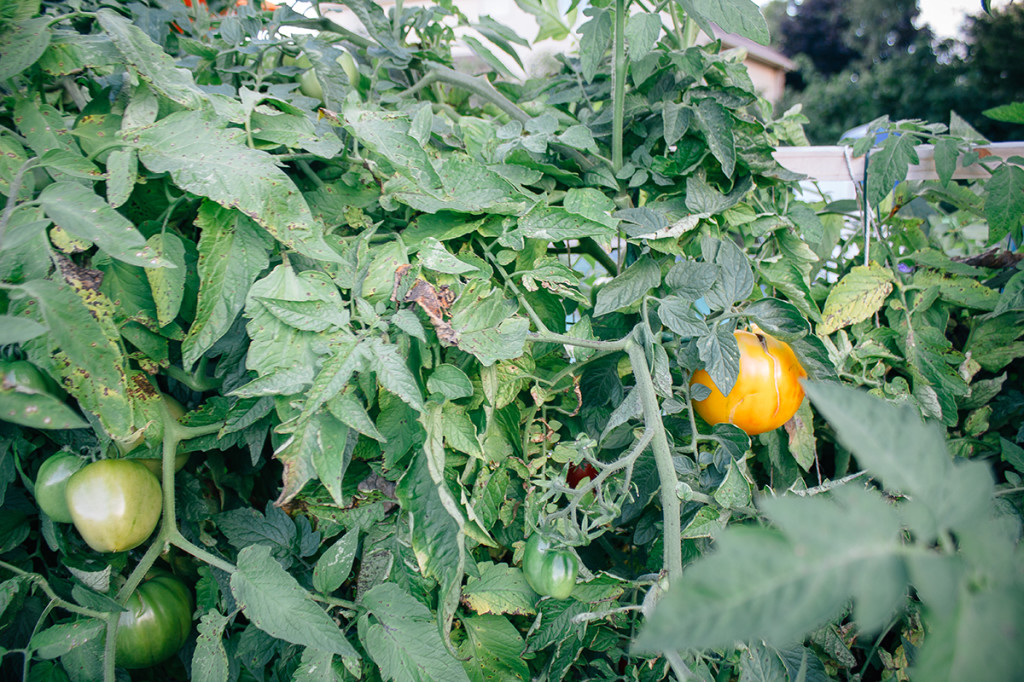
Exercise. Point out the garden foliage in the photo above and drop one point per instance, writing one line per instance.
(400, 303)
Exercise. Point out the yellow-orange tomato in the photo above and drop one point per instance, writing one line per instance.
(767, 391)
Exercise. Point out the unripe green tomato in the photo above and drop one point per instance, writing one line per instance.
(52, 482)
(22, 373)
(156, 623)
(302, 61)
(550, 572)
(310, 86)
(348, 64)
(115, 504)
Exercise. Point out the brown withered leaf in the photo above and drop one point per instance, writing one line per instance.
(435, 302)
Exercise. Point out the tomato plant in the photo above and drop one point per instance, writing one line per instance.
(397, 313)
(767, 392)
(51, 484)
(156, 622)
(550, 572)
(114, 503)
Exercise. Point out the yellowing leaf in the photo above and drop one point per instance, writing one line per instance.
(856, 297)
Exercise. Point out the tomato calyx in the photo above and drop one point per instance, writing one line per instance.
(550, 572)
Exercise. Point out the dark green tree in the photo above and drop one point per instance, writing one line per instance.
(900, 71)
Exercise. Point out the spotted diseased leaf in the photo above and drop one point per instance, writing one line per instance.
(500, 589)
(492, 650)
(857, 296)
(82, 212)
(23, 44)
(212, 161)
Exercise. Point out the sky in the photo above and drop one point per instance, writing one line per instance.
(946, 16)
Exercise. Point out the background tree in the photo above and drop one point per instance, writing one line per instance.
(893, 68)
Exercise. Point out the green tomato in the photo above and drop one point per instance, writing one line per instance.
(115, 504)
(156, 623)
(348, 64)
(52, 482)
(550, 572)
(310, 86)
(23, 374)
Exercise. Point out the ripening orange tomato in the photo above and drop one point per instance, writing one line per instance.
(767, 392)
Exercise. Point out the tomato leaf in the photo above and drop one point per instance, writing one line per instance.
(335, 565)
(95, 363)
(629, 287)
(500, 589)
(909, 456)
(720, 354)
(232, 253)
(857, 296)
(210, 660)
(22, 44)
(153, 65)
(778, 318)
(735, 277)
(1004, 202)
(167, 283)
(492, 649)
(84, 214)
(212, 161)
(275, 603)
(401, 636)
(58, 640)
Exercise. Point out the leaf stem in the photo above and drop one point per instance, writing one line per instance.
(596, 344)
(534, 317)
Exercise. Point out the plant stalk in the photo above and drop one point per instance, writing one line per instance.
(673, 561)
(619, 78)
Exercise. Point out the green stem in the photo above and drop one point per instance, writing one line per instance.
(181, 542)
(596, 344)
(673, 562)
(679, 668)
(48, 591)
(619, 78)
(328, 26)
(593, 249)
(110, 651)
(534, 317)
(12, 194)
(197, 381)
